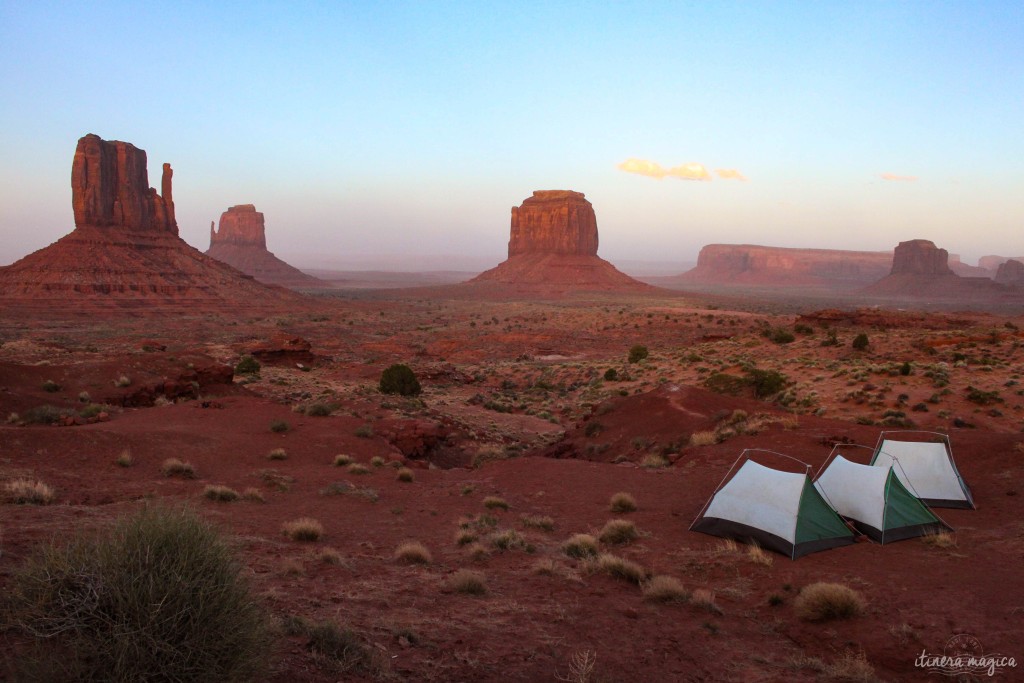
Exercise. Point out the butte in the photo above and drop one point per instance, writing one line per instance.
(553, 250)
(241, 242)
(125, 252)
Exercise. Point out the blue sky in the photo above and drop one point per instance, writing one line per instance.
(394, 132)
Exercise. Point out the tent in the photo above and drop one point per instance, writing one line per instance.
(925, 468)
(780, 511)
(875, 501)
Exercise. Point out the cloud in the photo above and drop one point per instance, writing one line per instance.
(899, 178)
(651, 169)
(730, 174)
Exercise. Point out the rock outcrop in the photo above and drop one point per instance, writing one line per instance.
(755, 265)
(552, 249)
(110, 188)
(992, 263)
(241, 242)
(1010, 273)
(554, 222)
(125, 251)
(920, 257)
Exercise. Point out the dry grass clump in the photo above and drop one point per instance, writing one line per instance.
(124, 458)
(330, 556)
(759, 555)
(494, 502)
(342, 649)
(622, 502)
(663, 588)
(580, 546)
(852, 667)
(378, 461)
(468, 581)
(253, 495)
(277, 454)
(654, 461)
(942, 540)
(707, 438)
(704, 598)
(172, 467)
(220, 493)
(828, 601)
(509, 539)
(1019, 447)
(477, 552)
(342, 460)
(28, 492)
(303, 529)
(618, 531)
(413, 552)
(356, 468)
(404, 474)
(464, 537)
(621, 568)
(541, 522)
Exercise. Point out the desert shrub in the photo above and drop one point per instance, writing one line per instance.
(303, 529)
(830, 338)
(467, 581)
(399, 379)
(404, 474)
(637, 353)
(224, 494)
(123, 381)
(254, 495)
(801, 328)
(92, 410)
(51, 387)
(279, 426)
(318, 410)
(860, 342)
(46, 415)
(509, 539)
(781, 336)
(124, 458)
(356, 468)
(341, 647)
(766, 382)
(705, 599)
(580, 546)
(364, 431)
(464, 537)
(827, 601)
(158, 597)
(621, 568)
(618, 531)
(495, 502)
(330, 556)
(852, 667)
(172, 467)
(611, 374)
(413, 552)
(622, 502)
(663, 588)
(906, 368)
(477, 552)
(542, 522)
(982, 398)
(247, 365)
(724, 383)
(593, 428)
(941, 539)
(277, 454)
(759, 555)
(654, 461)
(705, 438)
(28, 492)
(342, 460)
(378, 461)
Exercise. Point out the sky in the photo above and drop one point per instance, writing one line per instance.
(400, 134)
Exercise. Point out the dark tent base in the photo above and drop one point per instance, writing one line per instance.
(726, 528)
(902, 533)
(955, 504)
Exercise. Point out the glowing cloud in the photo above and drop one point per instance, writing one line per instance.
(899, 178)
(651, 169)
(730, 174)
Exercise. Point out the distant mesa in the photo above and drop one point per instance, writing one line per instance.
(920, 269)
(755, 265)
(992, 263)
(553, 248)
(125, 251)
(241, 242)
(1010, 272)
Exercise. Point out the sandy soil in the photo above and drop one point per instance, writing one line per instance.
(511, 390)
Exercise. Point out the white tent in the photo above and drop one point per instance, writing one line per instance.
(925, 468)
(875, 501)
(781, 511)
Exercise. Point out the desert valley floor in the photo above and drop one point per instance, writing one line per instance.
(519, 441)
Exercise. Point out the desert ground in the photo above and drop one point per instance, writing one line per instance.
(518, 441)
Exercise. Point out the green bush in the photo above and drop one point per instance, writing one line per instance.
(50, 387)
(399, 379)
(157, 597)
(766, 382)
(860, 342)
(638, 353)
(611, 374)
(279, 426)
(781, 336)
(247, 366)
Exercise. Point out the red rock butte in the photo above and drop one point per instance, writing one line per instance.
(124, 252)
(552, 249)
(241, 242)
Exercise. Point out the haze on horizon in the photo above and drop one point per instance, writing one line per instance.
(403, 134)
